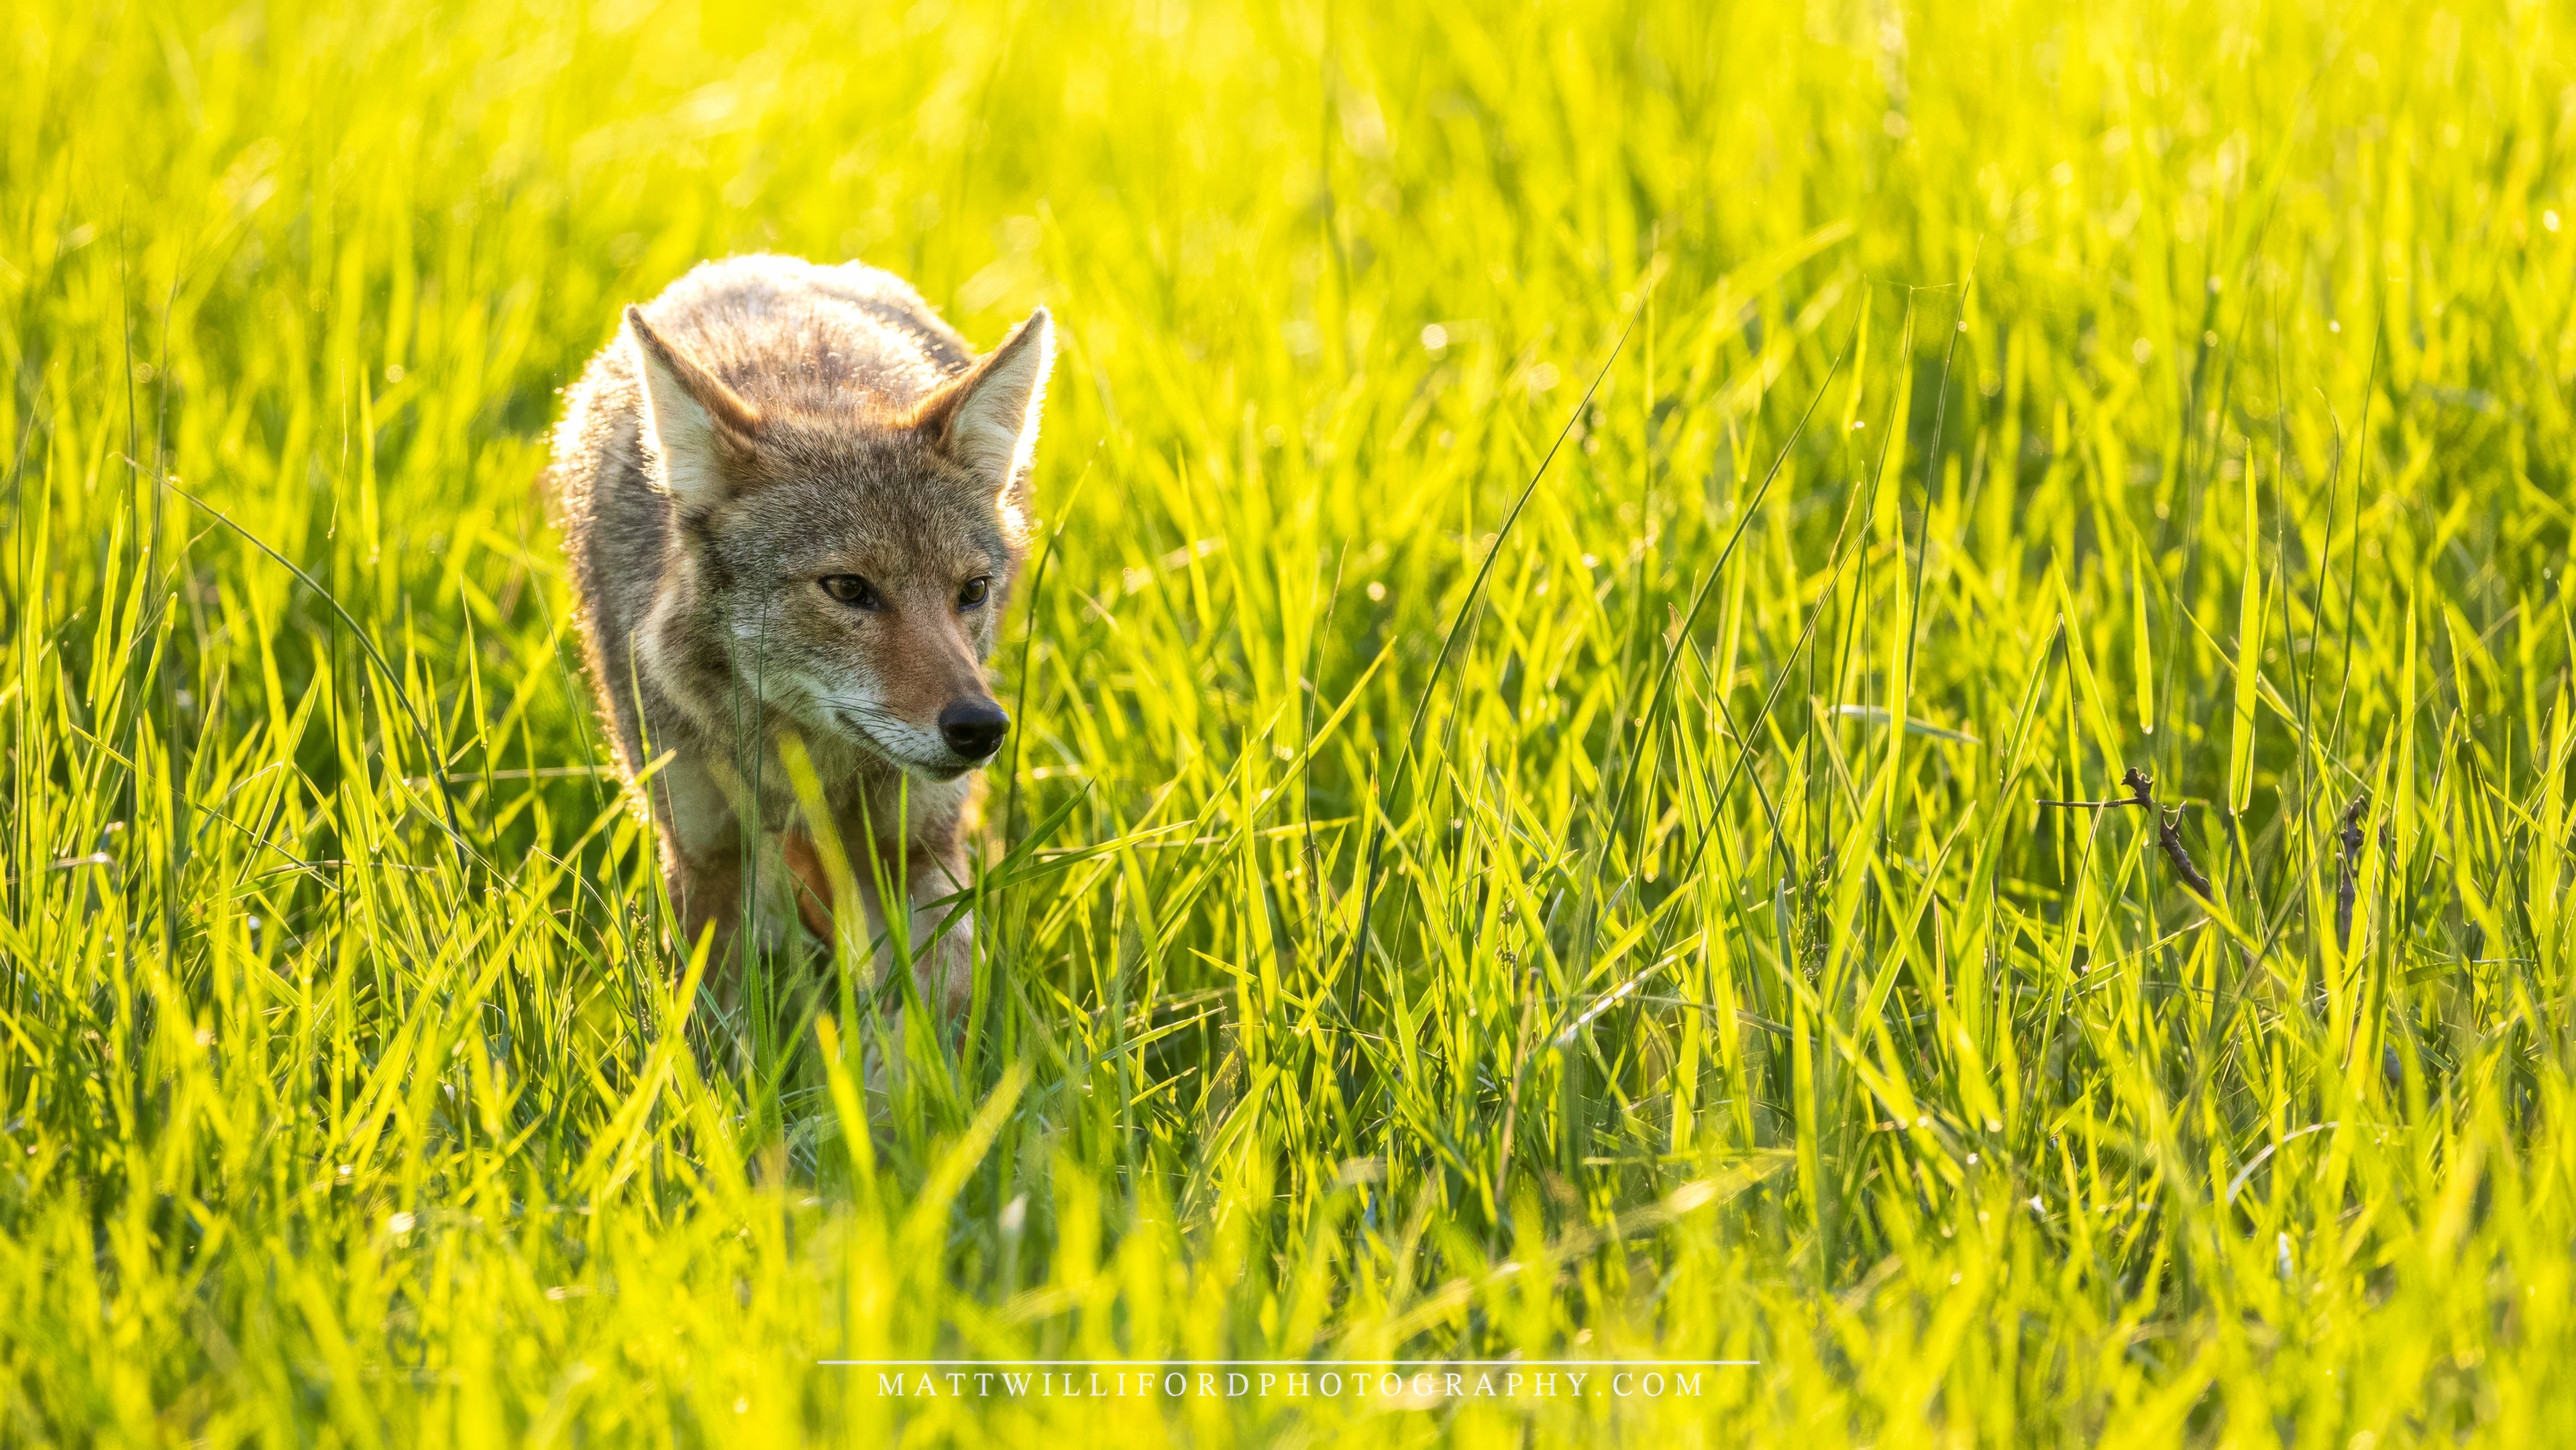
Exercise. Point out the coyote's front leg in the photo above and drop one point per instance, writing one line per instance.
(703, 855)
(943, 961)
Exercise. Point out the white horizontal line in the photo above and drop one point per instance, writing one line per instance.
(1313, 1364)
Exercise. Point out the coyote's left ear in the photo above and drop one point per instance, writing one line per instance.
(987, 417)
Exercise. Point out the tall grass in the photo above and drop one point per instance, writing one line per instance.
(1484, 868)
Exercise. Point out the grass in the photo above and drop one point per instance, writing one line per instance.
(1485, 867)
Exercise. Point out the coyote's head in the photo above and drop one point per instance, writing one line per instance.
(850, 557)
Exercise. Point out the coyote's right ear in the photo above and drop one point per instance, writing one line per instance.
(694, 420)
(987, 416)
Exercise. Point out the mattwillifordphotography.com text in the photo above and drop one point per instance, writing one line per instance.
(1408, 1384)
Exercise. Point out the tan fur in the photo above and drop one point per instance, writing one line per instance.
(763, 425)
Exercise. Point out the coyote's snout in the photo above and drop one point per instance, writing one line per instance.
(795, 502)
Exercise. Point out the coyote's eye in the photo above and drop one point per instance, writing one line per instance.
(973, 592)
(852, 590)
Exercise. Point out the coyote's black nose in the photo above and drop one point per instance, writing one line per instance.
(974, 728)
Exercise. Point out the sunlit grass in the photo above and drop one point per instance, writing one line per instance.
(1416, 922)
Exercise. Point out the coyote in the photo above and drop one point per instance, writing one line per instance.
(794, 502)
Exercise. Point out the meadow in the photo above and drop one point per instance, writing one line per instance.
(1578, 539)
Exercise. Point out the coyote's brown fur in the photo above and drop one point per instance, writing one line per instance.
(794, 502)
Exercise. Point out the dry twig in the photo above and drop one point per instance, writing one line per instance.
(2142, 793)
(2348, 867)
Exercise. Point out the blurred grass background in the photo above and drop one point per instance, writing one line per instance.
(1414, 924)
